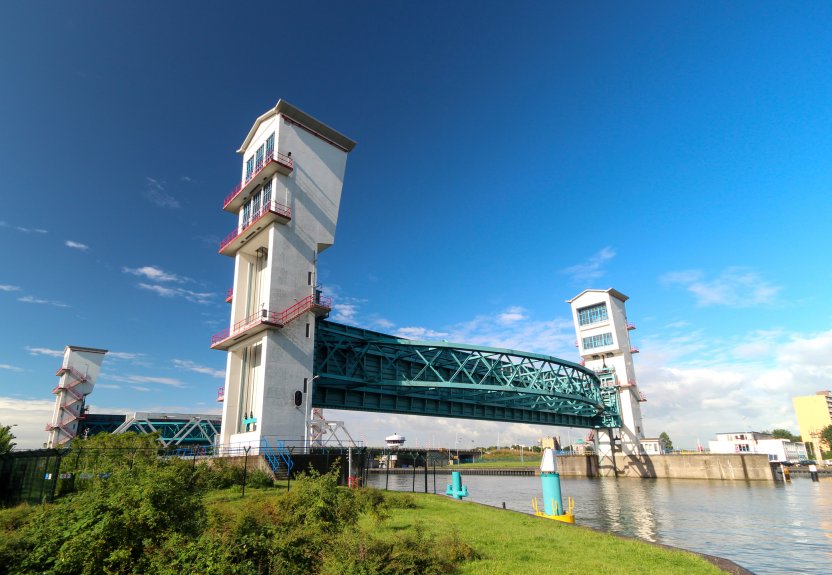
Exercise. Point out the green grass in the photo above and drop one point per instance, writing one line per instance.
(512, 543)
(504, 542)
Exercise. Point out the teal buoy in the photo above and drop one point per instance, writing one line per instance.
(552, 499)
(456, 489)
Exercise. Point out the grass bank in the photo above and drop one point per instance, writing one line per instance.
(504, 542)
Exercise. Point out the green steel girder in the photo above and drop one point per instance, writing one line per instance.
(363, 370)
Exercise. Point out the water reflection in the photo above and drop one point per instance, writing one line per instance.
(768, 528)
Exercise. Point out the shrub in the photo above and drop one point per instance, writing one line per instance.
(260, 478)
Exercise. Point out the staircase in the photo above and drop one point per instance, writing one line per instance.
(277, 457)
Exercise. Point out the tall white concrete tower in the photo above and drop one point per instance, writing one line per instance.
(603, 334)
(287, 210)
(78, 373)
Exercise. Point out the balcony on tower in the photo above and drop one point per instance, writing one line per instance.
(229, 295)
(260, 218)
(264, 319)
(273, 162)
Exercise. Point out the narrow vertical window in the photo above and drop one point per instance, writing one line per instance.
(309, 278)
(267, 195)
(305, 382)
(307, 330)
(249, 168)
(255, 204)
(259, 163)
(270, 146)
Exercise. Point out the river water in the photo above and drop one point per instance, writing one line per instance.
(765, 527)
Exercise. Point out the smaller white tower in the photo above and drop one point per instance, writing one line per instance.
(78, 373)
(603, 334)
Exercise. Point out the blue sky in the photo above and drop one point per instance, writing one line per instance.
(508, 158)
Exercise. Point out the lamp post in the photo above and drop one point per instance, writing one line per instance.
(307, 414)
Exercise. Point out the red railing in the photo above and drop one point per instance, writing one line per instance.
(631, 326)
(272, 206)
(281, 159)
(633, 350)
(229, 295)
(74, 372)
(69, 390)
(221, 394)
(273, 317)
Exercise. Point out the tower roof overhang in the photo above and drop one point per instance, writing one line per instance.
(87, 349)
(304, 120)
(613, 292)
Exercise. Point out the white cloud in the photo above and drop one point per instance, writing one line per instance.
(700, 392)
(154, 273)
(140, 388)
(76, 245)
(10, 367)
(419, 333)
(192, 296)
(734, 287)
(106, 386)
(156, 192)
(191, 366)
(169, 381)
(29, 416)
(512, 315)
(123, 355)
(45, 351)
(344, 312)
(22, 229)
(39, 301)
(593, 268)
(6, 287)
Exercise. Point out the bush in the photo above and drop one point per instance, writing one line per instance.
(260, 478)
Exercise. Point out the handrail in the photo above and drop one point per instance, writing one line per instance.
(221, 393)
(229, 295)
(273, 157)
(279, 319)
(74, 372)
(272, 206)
(274, 456)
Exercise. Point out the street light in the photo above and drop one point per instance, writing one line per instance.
(307, 416)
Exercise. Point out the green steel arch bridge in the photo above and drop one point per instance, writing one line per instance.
(361, 370)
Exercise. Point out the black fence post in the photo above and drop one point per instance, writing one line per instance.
(245, 468)
(55, 477)
(426, 471)
(387, 468)
(413, 487)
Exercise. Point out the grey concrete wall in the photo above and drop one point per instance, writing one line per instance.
(699, 466)
(578, 465)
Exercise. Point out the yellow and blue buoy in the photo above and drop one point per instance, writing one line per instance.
(552, 499)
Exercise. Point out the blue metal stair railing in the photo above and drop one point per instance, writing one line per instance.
(277, 455)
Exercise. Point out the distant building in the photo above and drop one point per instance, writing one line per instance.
(814, 412)
(394, 441)
(748, 442)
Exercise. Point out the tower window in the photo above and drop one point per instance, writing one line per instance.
(260, 157)
(309, 278)
(307, 330)
(593, 314)
(270, 146)
(600, 340)
(249, 168)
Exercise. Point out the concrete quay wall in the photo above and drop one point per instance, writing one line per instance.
(730, 466)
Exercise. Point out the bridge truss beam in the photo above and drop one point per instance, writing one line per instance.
(363, 370)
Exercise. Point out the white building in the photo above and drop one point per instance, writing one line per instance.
(780, 450)
(286, 206)
(603, 340)
(78, 373)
